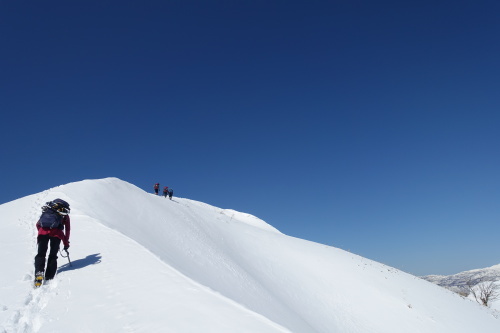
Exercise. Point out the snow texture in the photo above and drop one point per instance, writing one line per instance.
(143, 263)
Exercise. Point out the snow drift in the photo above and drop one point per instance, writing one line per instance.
(143, 263)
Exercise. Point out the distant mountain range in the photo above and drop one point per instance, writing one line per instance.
(460, 279)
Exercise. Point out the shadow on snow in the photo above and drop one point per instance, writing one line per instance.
(92, 259)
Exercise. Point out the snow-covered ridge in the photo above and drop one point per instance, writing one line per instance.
(143, 263)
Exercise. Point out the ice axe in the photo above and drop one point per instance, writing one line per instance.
(66, 256)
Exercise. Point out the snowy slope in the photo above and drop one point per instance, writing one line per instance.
(143, 263)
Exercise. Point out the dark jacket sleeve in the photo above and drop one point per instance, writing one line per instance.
(67, 230)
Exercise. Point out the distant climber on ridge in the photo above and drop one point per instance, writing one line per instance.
(165, 191)
(157, 187)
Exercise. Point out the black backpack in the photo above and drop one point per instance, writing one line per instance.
(52, 214)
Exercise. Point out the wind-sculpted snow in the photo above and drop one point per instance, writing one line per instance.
(143, 263)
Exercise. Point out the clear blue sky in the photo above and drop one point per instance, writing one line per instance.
(369, 126)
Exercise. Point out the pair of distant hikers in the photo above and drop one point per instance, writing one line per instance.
(53, 227)
(167, 191)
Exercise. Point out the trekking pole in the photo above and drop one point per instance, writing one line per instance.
(66, 256)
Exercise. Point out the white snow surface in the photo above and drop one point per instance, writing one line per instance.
(143, 263)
